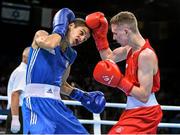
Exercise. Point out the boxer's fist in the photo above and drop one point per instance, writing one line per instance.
(61, 21)
(93, 101)
(107, 72)
(93, 20)
(99, 25)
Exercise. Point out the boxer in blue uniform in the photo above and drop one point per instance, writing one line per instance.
(50, 59)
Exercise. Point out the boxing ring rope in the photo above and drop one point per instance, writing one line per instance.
(97, 122)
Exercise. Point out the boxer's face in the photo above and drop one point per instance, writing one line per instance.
(120, 34)
(78, 35)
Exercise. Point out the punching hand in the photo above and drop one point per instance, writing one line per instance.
(61, 21)
(99, 25)
(108, 73)
(93, 101)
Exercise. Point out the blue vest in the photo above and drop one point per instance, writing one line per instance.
(47, 66)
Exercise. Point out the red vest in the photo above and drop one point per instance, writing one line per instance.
(132, 68)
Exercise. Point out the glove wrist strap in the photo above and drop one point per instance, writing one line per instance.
(102, 44)
(125, 85)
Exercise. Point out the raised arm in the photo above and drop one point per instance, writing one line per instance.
(42, 39)
(99, 25)
(61, 21)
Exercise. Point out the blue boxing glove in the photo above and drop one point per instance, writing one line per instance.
(93, 101)
(61, 21)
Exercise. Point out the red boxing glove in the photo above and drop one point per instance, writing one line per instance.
(99, 25)
(108, 73)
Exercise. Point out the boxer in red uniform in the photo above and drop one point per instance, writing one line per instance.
(142, 77)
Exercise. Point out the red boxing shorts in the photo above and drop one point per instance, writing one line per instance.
(143, 120)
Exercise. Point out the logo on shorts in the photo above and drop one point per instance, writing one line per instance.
(119, 129)
(49, 91)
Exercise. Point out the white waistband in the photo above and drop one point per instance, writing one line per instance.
(132, 102)
(42, 90)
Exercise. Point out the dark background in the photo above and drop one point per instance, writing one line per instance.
(159, 21)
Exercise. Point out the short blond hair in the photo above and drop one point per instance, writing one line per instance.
(125, 17)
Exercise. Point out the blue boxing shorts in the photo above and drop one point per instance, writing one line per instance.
(48, 115)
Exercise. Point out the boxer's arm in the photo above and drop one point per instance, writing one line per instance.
(99, 25)
(92, 101)
(66, 88)
(42, 39)
(108, 73)
(117, 55)
(146, 64)
(61, 21)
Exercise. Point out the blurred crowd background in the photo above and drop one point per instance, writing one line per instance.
(159, 21)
